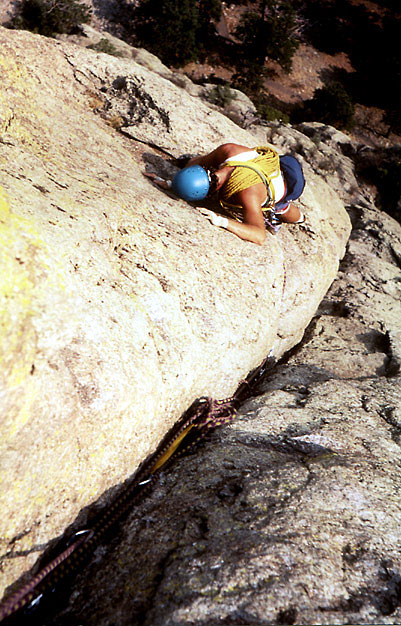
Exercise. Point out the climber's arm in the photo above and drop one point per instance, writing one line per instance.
(253, 226)
(218, 155)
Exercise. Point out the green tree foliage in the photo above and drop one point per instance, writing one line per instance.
(249, 78)
(221, 95)
(329, 23)
(208, 16)
(175, 30)
(372, 40)
(268, 32)
(376, 58)
(48, 17)
(167, 29)
(330, 105)
(270, 113)
(393, 119)
(382, 168)
(388, 180)
(106, 46)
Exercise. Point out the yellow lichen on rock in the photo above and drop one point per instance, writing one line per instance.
(16, 121)
(18, 245)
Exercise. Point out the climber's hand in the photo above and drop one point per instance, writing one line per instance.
(216, 220)
(160, 182)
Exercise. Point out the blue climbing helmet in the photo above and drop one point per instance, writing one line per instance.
(191, 183)
(294, 178)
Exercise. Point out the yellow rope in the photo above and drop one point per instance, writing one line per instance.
(248, 173)
(170, 451)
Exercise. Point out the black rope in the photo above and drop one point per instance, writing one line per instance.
(204, 415)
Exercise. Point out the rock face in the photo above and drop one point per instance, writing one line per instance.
(290, 515)
(121, 304)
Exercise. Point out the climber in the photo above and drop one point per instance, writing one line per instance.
(253, 184)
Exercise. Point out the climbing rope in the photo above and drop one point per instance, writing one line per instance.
(202, 416)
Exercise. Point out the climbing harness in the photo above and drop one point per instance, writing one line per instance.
(272, 221)
(201, 417)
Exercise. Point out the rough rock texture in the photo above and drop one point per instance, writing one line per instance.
(7, 10)
(89, 36)
(236, 105)
(120, 304)
(291, 515)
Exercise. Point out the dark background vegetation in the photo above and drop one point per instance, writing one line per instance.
(181, 31)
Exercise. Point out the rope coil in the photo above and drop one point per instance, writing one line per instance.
(201, 417)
